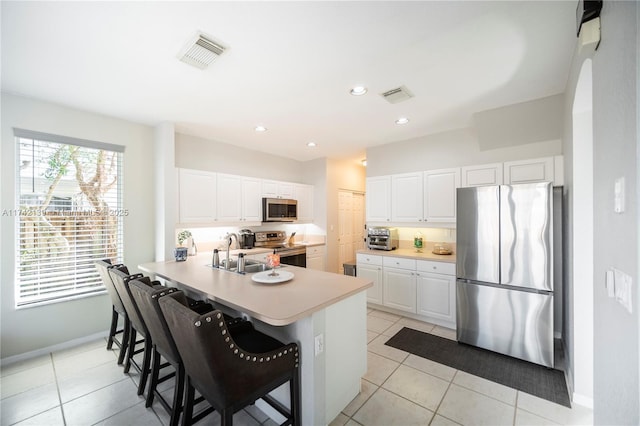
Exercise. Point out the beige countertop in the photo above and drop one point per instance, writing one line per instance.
(412, 254)
(277, 304)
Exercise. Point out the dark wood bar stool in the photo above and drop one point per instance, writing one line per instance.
(231, 367)
(117, 310)
(147, 299)
(121, 281)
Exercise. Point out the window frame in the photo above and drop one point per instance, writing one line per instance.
(79, 289)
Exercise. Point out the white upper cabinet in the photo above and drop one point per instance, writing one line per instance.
(529, 171)
(440, 195)
(276, 189)
(251, 200)
(229, 198)
(238, 199)
(486, 174)
(379, 199)
(406, 197)
(304, 194)
(196, 196)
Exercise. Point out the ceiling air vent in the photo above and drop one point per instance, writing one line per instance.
(200, 51)
(397, 95)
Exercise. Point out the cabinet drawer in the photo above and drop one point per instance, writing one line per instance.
(368, 259)
(399, 262)
(315, 251)
(437, 267)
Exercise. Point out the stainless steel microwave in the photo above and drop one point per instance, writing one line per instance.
(279, 210)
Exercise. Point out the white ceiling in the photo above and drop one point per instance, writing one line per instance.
(290, 65)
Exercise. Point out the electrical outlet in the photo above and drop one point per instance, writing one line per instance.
(319, 344)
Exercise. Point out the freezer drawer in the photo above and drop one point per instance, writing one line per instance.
(511, 322)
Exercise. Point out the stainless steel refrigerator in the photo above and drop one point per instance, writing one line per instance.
(505, 270)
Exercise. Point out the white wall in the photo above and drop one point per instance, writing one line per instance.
(615, 123)
(520, 124)
(448, 149)
(205, 154)
(34, 328)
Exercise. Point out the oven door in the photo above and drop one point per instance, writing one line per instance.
(293, 257)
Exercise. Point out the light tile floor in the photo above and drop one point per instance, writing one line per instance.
(84, 386)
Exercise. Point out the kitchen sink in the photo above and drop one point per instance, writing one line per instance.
(250, 266)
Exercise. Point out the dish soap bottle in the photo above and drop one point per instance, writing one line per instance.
(417, 242)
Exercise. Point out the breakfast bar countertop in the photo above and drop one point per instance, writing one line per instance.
(277, 304)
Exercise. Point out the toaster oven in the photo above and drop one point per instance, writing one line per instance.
(382, 238)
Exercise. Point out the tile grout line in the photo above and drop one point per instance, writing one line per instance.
(55, 377)
(435, 413)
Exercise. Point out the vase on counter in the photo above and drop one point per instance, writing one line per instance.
(192, 250)
(180, 253)
(417, 242)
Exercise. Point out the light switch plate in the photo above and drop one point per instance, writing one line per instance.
(319, 344)
(618, 195)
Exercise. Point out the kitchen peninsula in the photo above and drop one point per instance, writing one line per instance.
(325, 313)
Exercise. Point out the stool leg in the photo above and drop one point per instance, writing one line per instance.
(155, 372)
(113, 328)
(144, 374)
(226, 417)
(187, 412)
(177, 396)
(125, 340)
(131, 348)
(295, 398)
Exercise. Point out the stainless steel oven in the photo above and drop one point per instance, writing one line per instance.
(277, 240)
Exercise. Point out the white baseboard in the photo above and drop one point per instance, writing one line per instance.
(585, 401)
(58, 347)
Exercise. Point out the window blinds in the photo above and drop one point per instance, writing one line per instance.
(68, 213)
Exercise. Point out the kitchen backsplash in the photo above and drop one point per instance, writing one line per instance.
(432, 235)
(207, 239)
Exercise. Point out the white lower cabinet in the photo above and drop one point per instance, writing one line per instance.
(315, 258)
(436, 285)
(399, 289)
(422, 287)
(370, 267)
(399, 283)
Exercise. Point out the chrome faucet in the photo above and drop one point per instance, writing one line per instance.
(229, 237)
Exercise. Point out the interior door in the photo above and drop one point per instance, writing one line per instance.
(345, 229)
(358, 221)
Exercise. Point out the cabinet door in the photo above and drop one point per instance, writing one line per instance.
(276, 189)
(399, 289)
(251, 200)
(406, 197)
(269, 189)
(486, 174)
(440, 195)
(373, 273)
(196, 196)
(315, 257)
(304, 194)
(529, 171)
(436, 296)
(229, 198)
(378, 199)
(316, 263)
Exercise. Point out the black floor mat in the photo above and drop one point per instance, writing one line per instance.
(531, 378)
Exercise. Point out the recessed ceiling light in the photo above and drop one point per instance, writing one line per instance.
(364, 162)
(402, 120)
(358, 90)
(311, 144)
(260, 129)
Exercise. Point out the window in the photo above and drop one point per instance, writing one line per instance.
(68, 214)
